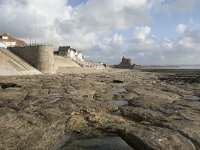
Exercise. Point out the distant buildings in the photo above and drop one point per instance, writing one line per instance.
(6, 40)
(66, 51)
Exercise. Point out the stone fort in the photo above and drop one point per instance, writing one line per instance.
(39, 56)
(126, 63)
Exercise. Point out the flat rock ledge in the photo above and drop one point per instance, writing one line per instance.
(37, 111)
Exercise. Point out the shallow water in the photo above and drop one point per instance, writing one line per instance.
(118, 102)
(82, 142)
(194, 98)
(118, 112)
(196, 67)
(121, 90)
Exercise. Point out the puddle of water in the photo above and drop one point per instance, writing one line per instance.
(118, 102)
(82, 142)
(118, 112)
(121, 90)
(9, 85)
(194, 98)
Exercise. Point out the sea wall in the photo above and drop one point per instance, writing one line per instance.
(39, 56)
(11, 65)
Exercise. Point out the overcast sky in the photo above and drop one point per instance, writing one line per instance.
(148, 31)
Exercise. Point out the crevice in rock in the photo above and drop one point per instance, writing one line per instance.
(13, 108)
(135, 142)
(9, 85)
(20, 104)
(118, 81)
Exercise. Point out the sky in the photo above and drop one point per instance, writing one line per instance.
(151, 32)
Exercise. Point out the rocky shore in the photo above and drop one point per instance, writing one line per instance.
(149, 110)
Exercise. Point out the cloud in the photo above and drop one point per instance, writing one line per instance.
(146, 48)
(108, 49)
(185, 49)
(59, 23)
(18, 18)
(105, 30)
(190, 40)
(141, 33)
(167, 43)
(181, 28)
(118, 14)
(175, 6)
(143, 40)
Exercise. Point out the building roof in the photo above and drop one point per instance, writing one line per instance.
(67, 48)
(11, 39)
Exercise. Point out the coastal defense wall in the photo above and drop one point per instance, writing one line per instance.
(40, 56)
(63, 62)
(10, 65)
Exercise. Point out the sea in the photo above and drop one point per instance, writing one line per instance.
(193, 67)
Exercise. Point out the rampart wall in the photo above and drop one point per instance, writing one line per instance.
(39, 56)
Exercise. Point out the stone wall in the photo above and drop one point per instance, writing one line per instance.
(90, 64)
(39, 56)
(11, 64)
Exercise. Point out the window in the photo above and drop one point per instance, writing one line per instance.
(4, 37)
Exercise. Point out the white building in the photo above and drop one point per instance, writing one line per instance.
(9, 41)
(66, 51)
(2, 45)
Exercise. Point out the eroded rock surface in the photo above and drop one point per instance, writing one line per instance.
(37, 111)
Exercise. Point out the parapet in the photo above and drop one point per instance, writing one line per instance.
(39, 56)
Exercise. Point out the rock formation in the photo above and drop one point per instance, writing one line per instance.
(36, 112)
